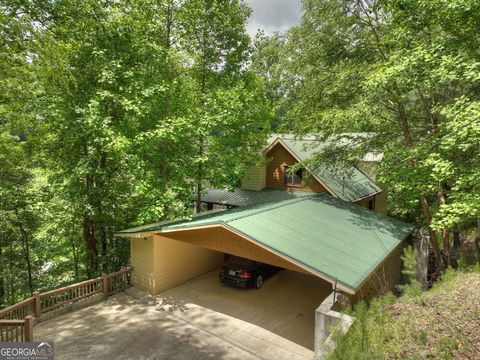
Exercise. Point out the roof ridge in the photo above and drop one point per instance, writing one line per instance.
(301, 139)
(277, 205)
(379, 240)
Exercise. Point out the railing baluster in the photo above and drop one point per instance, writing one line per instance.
(13, 320)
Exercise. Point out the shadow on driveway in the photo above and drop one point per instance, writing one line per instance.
(200, 319)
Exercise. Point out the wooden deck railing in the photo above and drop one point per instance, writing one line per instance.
(18, 311)
(16, 330)
(118, 281)
(54, 299)
(16, 321)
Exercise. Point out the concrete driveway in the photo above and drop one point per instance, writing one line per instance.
(200, 319)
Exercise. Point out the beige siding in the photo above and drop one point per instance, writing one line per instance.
(254, 178)
(365, 202)
(141, 255)
(162, 262)
(177, 262)
(222, 240)
(370, 169)
(384, 278)
(381, 200)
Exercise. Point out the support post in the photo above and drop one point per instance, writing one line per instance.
(28, 328)
(37, 305)
(325, 318)
(422, 245)
(105, 285)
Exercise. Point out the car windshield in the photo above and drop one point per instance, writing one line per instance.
(238, 262)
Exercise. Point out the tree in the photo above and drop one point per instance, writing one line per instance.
(229, 115)
(139, 104)
(112, 115)
(269, 58)
(402, 72)
(104, 69)
(18, 218)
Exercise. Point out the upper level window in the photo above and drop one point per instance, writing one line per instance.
(292, 179)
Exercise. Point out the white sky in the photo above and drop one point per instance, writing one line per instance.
(273, 15)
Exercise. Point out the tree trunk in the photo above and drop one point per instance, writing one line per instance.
(445, 233)
(433, 235)
(456, 239)
(2, 280)
(11, 278)
(75, 256)
(26, 249)
(477, 241)
(201, 147)
(198, 200)
(91, 244)
(405, 127)
(168, 25)
(164, 171)
(97, 205)
(75, 259)
(103, 249)
(88, 225)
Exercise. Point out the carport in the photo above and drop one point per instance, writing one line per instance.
(347, 247)
(281, 312)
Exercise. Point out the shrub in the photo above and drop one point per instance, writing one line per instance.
(412, 288)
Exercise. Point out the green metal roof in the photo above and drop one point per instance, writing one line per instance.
(347, 183)
(337, 239)
(243, 197)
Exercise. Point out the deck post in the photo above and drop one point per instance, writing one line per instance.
(105, 285)
(28, 329)
(37, 304)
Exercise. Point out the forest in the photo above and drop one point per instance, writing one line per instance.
(114, 114)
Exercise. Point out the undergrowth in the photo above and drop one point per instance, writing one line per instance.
(441, 323)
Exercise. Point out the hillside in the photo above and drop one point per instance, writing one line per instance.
(442, 323)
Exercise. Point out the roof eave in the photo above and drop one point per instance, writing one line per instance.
(367, 196)
(279, 141)
(377, 266)
(340, 285)
(134, 235)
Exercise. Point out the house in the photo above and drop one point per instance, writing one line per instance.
(325, 222)
(270, 181)
(325, 226)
